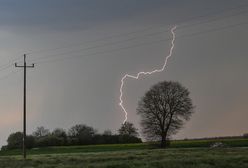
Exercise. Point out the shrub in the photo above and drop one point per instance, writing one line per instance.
(245, 135)
(15, 140)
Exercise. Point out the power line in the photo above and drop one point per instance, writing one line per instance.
(6, 66)
(215, 19)
(146, 43)
(9, 64)
(133, 38)
(128, 47)
(8, 75)
(138, 31)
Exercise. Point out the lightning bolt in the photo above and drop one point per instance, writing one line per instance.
(146, 73)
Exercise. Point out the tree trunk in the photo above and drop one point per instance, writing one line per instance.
(163, 142)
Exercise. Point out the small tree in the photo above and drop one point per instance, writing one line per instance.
(41, 132)
(163, 110)
(61, 134)
(128, 128)
(15, 140)
(107, 132)
(245, 135)
(128, 133)
(81, 134)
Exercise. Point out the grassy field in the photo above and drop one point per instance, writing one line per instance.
(181, 154)
(80, 149)
(143, 158)
(122, 147)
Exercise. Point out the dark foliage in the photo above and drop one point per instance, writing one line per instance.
(49, 140)
(15, 140)
(41, 132)
(129, 139)
(128, 129)
(30, 141)
(245, 135)
(79, 134)
(61, 135)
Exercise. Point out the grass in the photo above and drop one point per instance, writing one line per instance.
(145, 158)
(123, 147)
(238, 142)
(79, 149)
(181, 154)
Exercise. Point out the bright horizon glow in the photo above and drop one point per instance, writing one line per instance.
(146, 73)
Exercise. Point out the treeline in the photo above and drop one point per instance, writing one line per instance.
(219, 138)
(79, 134)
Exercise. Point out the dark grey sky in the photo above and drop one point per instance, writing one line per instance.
(85, 87)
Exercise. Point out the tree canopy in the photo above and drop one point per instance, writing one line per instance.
(163, 110)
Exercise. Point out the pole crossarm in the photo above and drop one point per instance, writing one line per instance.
(22, 66)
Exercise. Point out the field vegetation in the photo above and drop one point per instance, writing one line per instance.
(203, 143)
(145, 158)
(180, 154)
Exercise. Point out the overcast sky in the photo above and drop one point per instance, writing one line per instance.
(82, 48)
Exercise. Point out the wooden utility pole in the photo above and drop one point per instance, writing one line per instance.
(24, 66)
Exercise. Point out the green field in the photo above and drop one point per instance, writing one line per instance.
(181, 154)
(147, 158)
(122, 147)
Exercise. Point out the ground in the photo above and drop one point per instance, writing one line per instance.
(145, 158)
(233, 153)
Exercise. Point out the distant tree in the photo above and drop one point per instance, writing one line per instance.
(128, 128)
(128, 133)
(4, 148)
(60, 133)
(123, 139)
(107, 132)
(77, 135)
(41, 132)
(30, 141)
(81, 134)
(49, 140)
(163, 110)
(15, 140)
(245, 135)
(106, 138)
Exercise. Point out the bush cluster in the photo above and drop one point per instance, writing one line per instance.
(77, 135)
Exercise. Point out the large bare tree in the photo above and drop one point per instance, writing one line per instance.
(163, 110)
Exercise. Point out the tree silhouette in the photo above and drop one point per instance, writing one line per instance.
(41, 132)
(128, 128)
(82, 134)
(163, 110)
